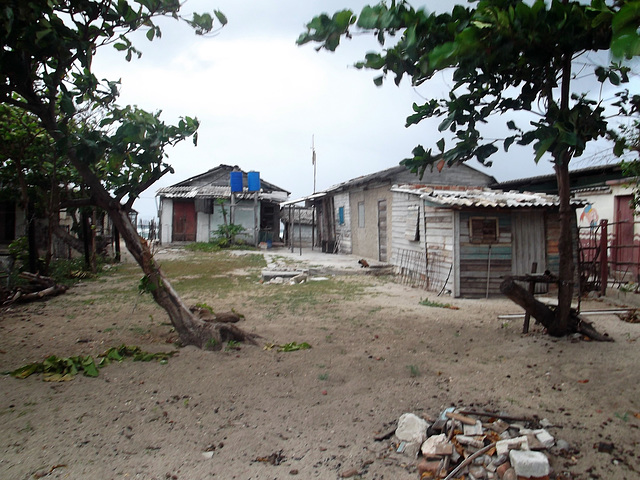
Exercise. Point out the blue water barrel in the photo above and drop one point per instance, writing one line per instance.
(236, 182)
(253, 181)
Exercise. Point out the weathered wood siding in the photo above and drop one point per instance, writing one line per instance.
(440, 243)
(483, 266)
(344, 229)
(403, 206)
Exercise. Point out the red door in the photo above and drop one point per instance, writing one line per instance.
(184, 222)
(623, 238)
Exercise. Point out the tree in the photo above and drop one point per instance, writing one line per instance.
(504, 56)
(46, 69)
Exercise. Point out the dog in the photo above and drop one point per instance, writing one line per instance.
(363, 263)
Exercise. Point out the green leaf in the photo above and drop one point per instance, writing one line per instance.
(221, 17)
(378, 80)
(541, 147)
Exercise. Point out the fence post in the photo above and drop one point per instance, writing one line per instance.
(604, 257)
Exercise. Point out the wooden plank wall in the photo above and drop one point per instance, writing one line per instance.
(439, 244)
(482, 264)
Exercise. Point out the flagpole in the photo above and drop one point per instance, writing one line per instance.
(313, 160)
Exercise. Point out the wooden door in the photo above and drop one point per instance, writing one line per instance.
(623, 237)
(382, 230)
(184, 222)
(529, 244)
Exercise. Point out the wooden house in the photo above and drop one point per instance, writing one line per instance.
(465, 241)
(192, 210)
(354, 217)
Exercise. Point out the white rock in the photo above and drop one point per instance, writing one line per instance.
(431, 446)
(529, 464)
(411, 428)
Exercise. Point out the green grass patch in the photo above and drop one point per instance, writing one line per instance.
(428, 303)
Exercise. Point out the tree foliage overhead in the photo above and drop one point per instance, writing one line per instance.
(504, 56)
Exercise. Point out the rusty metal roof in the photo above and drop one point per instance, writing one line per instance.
(484, 197)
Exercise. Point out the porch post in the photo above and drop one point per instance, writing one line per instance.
(604, 257)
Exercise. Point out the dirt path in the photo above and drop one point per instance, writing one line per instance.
(376, 354)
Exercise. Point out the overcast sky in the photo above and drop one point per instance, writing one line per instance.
(260, 99)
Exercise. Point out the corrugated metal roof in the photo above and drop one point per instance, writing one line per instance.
(485, 197)
(216, 191)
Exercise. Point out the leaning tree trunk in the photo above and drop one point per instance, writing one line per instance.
(191, 330)
(548, 317)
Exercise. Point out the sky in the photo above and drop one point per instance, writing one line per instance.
(262, 101)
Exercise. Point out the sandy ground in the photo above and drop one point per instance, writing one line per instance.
(376, 354)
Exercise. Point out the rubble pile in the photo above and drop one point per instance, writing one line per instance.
(476, 446)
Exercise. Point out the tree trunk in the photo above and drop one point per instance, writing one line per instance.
(566, 266)
(547, 316)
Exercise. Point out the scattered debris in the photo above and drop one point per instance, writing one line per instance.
(275, 458)
(476, 445)
(38, 287)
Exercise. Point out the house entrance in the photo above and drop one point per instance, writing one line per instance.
(184, 222)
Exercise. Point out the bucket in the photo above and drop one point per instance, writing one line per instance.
(253, 181)
(236, 182)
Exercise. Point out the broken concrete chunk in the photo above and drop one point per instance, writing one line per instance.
(437, 446)
(411, 428)
(545, 437)
(504, 446)
(477, 472)
(473, 430)
(529, 464)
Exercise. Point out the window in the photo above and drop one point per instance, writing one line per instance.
(483, 229)
(360, 214)
(341, 215)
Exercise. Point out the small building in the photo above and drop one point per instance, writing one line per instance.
(192, 210)
(609, 198)
(298, 224)
(354, 217)
(466, 241)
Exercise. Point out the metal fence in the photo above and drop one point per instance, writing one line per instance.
(608, 255)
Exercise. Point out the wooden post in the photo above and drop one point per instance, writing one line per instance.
(604, 258)
(532, 290)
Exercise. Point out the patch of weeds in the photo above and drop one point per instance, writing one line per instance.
(204, 306)
(323, 376)
(414, 371)
(288, 347)
(429, 303)
(232, 345)
(505, 324)
(329, 339)
(211, 344)
(139, 330)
